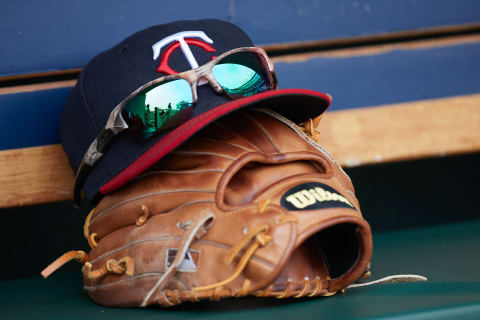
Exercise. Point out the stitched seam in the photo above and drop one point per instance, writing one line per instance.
(205, 153)
(183, 205)
(173, 238)
(342, 187)
(85, 100)
(295, 128)
(108, 161)
(139, 276)
(227, 143)
(237, 135)
(181, 282)
(302, 135)
(265, 133)
(239, 146)
(179, 171)
(143, 196)
(133, 243)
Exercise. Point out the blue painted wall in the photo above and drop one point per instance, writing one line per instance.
(31, 118)
(60, 34)
(397, 76)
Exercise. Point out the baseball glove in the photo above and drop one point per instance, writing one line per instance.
(250, 205)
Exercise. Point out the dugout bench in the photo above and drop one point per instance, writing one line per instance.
(404, 122)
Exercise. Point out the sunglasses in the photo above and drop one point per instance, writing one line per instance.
(168, 101)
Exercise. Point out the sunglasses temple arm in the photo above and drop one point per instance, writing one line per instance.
(275, 80)
(91, 157)
(82, 173)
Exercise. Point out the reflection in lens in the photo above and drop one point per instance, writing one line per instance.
(241, 74)
(159, 107)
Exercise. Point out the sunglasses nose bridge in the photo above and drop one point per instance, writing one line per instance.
(193, 85)
(204, 75)
(213, 83)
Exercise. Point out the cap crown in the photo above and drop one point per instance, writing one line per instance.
(115, 73)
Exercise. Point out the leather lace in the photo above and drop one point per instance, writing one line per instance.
(242, 252)
(198, 228)
(123, 266)
(260, 239)
(78, 255)
(309, 127)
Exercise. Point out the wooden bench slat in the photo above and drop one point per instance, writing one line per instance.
(436, 127)
(387, 77)
(34, 175)
(403, 131)
(67, 41)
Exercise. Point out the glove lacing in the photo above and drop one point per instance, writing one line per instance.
(124, 265)
(195, 230)
(309, 127)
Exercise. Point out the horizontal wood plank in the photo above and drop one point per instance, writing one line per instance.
(399, 74)
(376, 49)
(56, 35)
(38, 87)
(34, 175)
(428, 128)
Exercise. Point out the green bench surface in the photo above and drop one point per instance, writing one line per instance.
(447, 254)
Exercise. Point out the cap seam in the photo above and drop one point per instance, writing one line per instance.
(84, 97)
(108, 163)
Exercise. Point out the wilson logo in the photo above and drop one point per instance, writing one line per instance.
(314, 195)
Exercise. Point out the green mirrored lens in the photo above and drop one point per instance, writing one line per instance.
(241, 74)
(164, 105)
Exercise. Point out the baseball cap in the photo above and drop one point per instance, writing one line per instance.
(115, 73)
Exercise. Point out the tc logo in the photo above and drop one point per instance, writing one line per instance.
(179, 40)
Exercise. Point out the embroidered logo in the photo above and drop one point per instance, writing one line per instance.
(314, 195)
(180, 40)
(189, 262)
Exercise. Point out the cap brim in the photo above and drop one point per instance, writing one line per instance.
(298, 105)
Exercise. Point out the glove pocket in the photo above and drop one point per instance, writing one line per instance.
(333, 243)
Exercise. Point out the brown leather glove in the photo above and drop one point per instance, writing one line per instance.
(251, 205)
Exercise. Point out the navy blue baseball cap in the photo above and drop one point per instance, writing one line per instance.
(114, 74)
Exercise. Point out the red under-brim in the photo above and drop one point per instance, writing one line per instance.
(296, 104)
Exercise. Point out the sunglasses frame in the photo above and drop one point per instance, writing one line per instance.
(116, 124)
